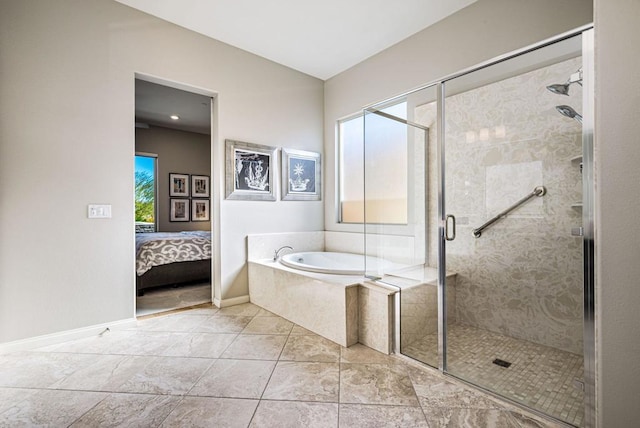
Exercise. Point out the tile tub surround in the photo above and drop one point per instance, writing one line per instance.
(42, 387)
(322, 304)
(376, 316)
(346, 309)
(419, 306)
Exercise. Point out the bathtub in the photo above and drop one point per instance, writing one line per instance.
(346, 308)
(332, 263)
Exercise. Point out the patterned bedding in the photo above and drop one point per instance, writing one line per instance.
(160, 248)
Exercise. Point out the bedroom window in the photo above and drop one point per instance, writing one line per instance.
(145, 191)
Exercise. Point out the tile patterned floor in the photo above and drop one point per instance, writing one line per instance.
(539, 377)
(234, 367)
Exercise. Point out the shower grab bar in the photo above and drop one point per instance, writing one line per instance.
(538, 191)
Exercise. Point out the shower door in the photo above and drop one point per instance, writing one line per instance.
(399, 160)
(511, 228)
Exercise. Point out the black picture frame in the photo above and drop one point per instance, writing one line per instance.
(200, 210)
(178, 185)
(200, 187)
(179, 210)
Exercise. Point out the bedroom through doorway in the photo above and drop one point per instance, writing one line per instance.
(173, 194)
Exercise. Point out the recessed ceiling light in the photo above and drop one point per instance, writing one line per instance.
(174, 117)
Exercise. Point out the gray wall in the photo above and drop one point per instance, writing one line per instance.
(617, 159)
(180, 152)
(67, 73)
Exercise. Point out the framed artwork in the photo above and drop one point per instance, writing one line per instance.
(179, 185)
(250, 171)
(200, 210)
(301, 175)
(200, 186)
(179, 210)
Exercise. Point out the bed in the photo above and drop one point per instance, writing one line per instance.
(172, 258)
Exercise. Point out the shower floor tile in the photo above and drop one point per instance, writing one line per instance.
(539, 377)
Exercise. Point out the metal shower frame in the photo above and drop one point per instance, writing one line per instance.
(587, 213)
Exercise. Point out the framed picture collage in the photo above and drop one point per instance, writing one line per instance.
(189, 196)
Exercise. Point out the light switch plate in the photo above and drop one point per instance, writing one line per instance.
(99, 211)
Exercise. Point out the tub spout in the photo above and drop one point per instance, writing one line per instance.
(276, 253)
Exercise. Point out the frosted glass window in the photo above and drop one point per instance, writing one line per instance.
(386, 162)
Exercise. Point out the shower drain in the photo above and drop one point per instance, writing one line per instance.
(501, 363)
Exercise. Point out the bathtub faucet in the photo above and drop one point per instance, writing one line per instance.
(276, 253)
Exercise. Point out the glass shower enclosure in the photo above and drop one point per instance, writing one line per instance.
(477, 208)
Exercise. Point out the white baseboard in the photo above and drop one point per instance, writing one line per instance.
(231, 302)
(63, 336)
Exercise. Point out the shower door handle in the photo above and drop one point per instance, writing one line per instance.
(450, 227)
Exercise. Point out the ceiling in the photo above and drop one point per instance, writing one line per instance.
(319, 38)
(155, 104)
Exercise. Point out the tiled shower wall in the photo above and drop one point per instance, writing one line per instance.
(523, 277)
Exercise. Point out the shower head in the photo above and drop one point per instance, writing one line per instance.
(559, 88)
(563, 88)
(569, 112)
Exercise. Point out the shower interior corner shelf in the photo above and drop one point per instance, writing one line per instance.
(577, 160)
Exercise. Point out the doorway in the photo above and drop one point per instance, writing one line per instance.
(174, 247)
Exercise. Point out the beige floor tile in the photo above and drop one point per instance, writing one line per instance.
(435, 391)
(103, 343)
(295, 414)
(268, 325)
(208, 412)
(376, 384)
(180, 322)
(234, 379)
(310, 348)
(472, 418)
(359, 353)
(208, 309)
(108, 373)
(135, 377)
(255, 347)
(245, 309)
(203, 345)
(304, 382)
(129, 410)
(166, 375)
(52, 408)
(143, 342)
(374, 416)
(297, 330)
(265, 313)
(222, 324)
(38, 369)
(9, 397)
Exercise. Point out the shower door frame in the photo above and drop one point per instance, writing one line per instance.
(586, 32)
